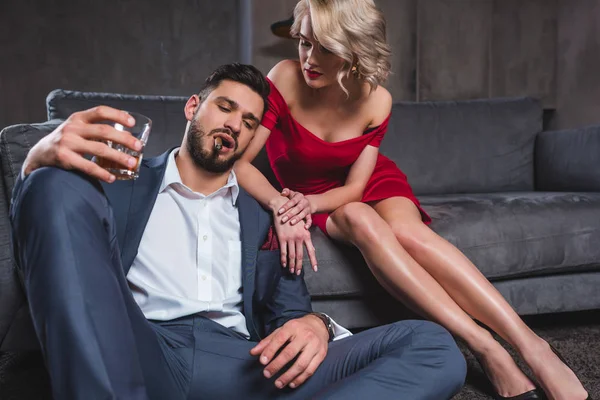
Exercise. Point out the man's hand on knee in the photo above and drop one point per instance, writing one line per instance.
(304, 339)
(83, 133)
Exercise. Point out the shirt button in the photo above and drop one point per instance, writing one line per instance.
(203, 277)
(205, 237)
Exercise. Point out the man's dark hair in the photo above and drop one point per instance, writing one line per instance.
(245, 74)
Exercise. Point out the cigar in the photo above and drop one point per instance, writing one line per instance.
(218, 144)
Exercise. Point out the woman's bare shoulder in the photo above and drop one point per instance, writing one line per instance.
(284, 75)
(379, 104)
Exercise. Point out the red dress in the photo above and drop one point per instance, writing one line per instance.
(307, 164)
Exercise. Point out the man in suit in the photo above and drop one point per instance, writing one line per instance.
(166, 287)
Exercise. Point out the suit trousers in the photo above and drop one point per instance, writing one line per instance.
(98, 345)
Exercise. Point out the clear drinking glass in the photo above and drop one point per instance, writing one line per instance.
(141, 130)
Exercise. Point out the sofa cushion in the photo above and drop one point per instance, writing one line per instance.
(511, 235)
(506, 235)
(342, 270)
(474, 146)
(527, 296)
(567, 160)
(166, 113)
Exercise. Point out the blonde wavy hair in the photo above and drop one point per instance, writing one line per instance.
(354, 30)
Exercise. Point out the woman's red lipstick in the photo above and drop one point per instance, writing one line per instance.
(312, 74)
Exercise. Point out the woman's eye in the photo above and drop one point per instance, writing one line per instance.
(324, 50)
(304, 43)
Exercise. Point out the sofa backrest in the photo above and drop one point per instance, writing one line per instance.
(473, 146)
(444, 147)
(166, 113)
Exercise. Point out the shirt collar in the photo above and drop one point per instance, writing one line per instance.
(172, 177)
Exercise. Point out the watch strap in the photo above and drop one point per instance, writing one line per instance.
(328, 324)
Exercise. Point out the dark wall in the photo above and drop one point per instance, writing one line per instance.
(578, 64)
(126, 46)
(461, 49)
(449, 49)
(442, 49)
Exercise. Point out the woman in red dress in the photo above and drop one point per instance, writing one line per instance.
(326, 118)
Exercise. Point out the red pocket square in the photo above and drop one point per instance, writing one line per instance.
(272, 243)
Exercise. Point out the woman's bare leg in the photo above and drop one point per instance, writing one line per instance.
(469, 288)
(404, 278)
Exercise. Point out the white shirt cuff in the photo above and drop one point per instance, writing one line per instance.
(339, 332)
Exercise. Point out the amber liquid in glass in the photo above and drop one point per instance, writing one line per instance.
(120, 171)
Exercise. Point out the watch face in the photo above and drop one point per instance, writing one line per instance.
(327, 321)
(329, 326)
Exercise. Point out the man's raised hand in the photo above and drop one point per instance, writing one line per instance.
(81, 134)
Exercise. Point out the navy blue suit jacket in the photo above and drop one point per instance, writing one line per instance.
(271, 295)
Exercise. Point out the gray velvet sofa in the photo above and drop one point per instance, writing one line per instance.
(522, 204)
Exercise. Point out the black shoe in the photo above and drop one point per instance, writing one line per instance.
(560, 357)
(534, 394)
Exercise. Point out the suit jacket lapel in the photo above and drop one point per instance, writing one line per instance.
(143, 196)
(248, 212)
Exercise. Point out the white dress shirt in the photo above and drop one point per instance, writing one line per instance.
(189, 259)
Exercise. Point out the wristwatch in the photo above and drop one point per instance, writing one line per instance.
(327, 321)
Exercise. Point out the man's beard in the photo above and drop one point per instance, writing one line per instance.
(208, 159)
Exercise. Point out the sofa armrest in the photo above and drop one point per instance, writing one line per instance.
(15, 143)
(15, 324)
(568, 160)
